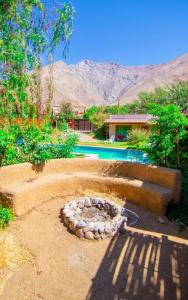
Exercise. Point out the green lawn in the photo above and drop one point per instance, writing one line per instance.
(120, 145)
(100, 143)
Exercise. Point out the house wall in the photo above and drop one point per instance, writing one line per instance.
(112, 127)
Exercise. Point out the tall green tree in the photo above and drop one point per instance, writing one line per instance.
(98, 119)
(66, 114)
(28, 31)
(168, 142)
(175, 94)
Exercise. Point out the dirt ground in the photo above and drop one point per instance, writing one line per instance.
(149, 262)
(86, 137)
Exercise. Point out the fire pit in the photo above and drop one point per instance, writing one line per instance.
(94, 218)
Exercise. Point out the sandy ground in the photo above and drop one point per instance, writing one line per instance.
(138, 265)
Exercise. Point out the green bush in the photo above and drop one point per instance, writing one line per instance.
(6, 216)
(98, 119)
(63, 145)
(62, 125)
(168, 139)
(137, 136)
(101, 133)
(109, 109)
(31, 143)
(69, 140)
(66, 114)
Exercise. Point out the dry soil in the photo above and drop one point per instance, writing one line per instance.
(149, 262)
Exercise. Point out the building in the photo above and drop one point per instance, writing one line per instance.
(119, 125)
(78, 110)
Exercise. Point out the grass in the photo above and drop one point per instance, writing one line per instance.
(117, 145)
(100, 143)
(12, 254)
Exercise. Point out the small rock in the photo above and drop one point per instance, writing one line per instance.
(79, 233)
(97, 236)
(93, 201)
(81, 204)
(69, 214)
(66, 220)
(72, 219)
(78, 210)
(87, 202)
(85, 210)
(99, 206)
(103, 236)
(101, 228)
(108, 229)
(96, 227)
(72, 206)
(112, 233)
(161, 220)
(81, 225)
(91, 226)
(65, 210)
(85, 229)
(89, 235)
(72, 227)
(123, 228)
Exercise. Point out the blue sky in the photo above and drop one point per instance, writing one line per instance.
(129, 32)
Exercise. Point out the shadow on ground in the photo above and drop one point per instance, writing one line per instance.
(144, 267)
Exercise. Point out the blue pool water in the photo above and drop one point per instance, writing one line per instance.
(115, 154)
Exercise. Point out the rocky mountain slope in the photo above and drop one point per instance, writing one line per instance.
(88, 83)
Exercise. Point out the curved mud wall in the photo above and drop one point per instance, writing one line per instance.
(150, 186)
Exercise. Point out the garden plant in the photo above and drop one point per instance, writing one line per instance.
(29, 31)
(168, 147)
(6, 216)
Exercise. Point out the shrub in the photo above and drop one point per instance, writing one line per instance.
(90, 111)
(66, 113)
(62, 125)
(168, 139)
(69, 140)
(63, 145)
(6, 216)
(98, 119)
(101, 133)
(19, 143)
(137, 135)
(26, 143)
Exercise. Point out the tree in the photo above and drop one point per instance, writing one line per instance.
(29, 30)
(168, 137)
(110, 109)
(90, 111)
(98, 119)
(176, 94)
(66, 114)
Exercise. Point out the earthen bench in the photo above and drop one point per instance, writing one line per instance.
(23, 187)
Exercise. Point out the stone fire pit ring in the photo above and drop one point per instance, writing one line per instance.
(94, 218)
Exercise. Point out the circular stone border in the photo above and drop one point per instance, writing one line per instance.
(84, 228)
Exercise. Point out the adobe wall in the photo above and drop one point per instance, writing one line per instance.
(22, 201)
(165, 177)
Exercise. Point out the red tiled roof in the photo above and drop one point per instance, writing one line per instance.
(130, 118)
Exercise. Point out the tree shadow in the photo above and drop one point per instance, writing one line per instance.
(38, 168)
(144, 267)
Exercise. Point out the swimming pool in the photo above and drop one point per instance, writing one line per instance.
(114, 154)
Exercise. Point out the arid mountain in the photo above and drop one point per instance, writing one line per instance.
(88, 83)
